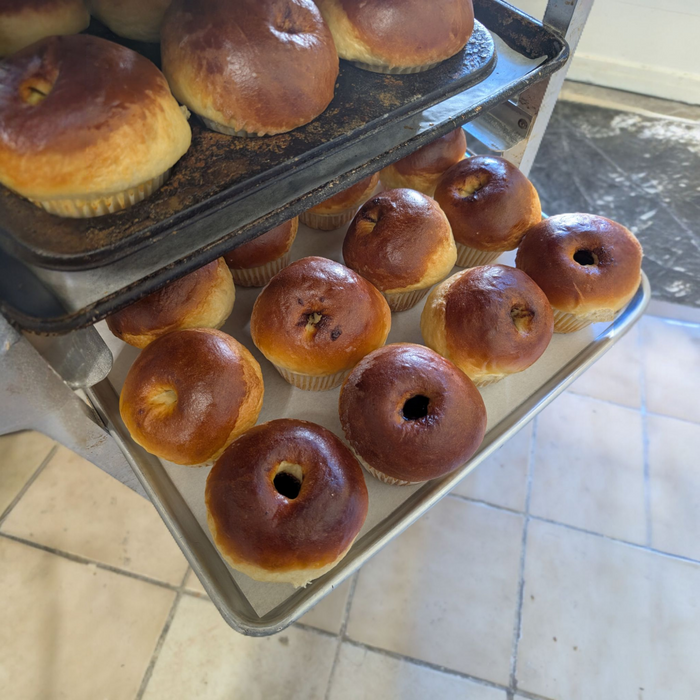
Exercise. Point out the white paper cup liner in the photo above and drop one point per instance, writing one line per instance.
(308, 382)
(568, 323)
(259, 276)
(327, 222)
(381, 476)
(486, 381)
(402, 301)
(392, 70)
(471, 257)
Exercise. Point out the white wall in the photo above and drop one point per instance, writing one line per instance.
(646, 46)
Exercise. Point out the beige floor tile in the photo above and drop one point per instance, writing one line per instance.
(20, 456)
(366, 675)
(671, 357)
(608, 621)
(75, 507)
(445, 591)
(328, 614)
(192, 583)
(616, 376)
(73, 631)
(502, 478)
(589, 467)
(203, 658)
(674, 466)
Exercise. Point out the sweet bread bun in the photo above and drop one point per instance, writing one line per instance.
(316, 320)
(259, 67)
(490, 204)
(340, 208)
(202, 299)
(88, 127)
(588, 266)
(189, 394)
(285, 502)
(398, 36)
(422, 169)
(401, 242)
(22, 22)
(491, 321)
(139, 20)
(410, 415)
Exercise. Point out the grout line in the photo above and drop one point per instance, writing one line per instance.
(645, 441)
(485, 504)
(29, 482)
(316, 630)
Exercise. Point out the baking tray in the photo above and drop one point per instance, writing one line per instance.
(178, 492)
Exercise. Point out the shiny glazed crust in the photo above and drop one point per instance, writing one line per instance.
(134, 19)
(273, 538)
(400, 240)
(595, 291)
(202, 299)
(371, 413)
(350, 198)
(189, 394)
(266, 248)
(108, 122)
(22, 22)
(489, 202)
(265, 67)
(398, 33)
(491, 321)
(317, 317)
(422, 169)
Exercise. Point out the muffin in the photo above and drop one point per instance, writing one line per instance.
(402, 243)
(399, 36)
(491, 321)
(410, 415)
(190, 394)
(588, 266)
(202, 299)
(268, 67)
(139, 20)
(22, 22)
(255, 263)
(422, 169)
(316, 320)
(340, 208)
(285, 502)
(88, 127)
(490, 204)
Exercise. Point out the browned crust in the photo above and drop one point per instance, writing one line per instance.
(348, 199)
(371, 404)
(496, 215)
(264, 249)
(434, 158)
(257, 525)
(547, 255)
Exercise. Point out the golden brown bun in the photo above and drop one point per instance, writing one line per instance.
(263, 249)
(410, 414)
(108, 122)
(490, 321)
(400, 240)
(422, 169)
(22, 22)
(269, 536)
(317, 317)
(398, 33)
(350, 198)
(263, 66)
(202, 299)
(489, 202)
(134, 19)
(607, 279)
(189, 394)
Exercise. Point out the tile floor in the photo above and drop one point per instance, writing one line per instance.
(567, 567)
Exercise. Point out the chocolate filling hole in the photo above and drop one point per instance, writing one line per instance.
(416, 407)
(522, 318)
(473, 183)
(585, 257)
(288, 480)
(35, 90)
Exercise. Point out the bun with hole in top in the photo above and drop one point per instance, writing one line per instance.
(285, 502)
(316, 320)
(410, 415)
(398, 36)
(490, 204)
(139, 20)
(491, 321)
(402, 243)
(252, 68)
(22, 22)
(588, 266)
(189, 394)
(422, 169)
(88, 127)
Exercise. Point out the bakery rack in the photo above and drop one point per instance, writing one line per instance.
(61, 276)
